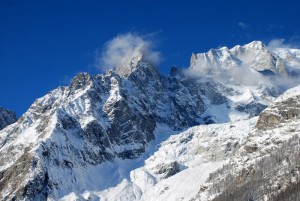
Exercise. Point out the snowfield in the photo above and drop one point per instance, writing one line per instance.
(198, 151)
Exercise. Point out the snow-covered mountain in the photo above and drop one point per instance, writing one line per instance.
(255, 55)
(7, 117)
(119, 136)
(256, 159)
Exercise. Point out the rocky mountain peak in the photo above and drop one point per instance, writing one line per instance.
(254, 55)
(81, 80)
(256, 45)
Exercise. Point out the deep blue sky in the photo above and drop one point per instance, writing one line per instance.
(44, 43)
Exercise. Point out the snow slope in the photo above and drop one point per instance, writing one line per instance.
(197, 152)
(266, 166)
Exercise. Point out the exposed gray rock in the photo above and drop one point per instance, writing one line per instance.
(167, 170)
(253, 108)
(279, 112)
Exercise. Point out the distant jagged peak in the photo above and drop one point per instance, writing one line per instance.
(255, 55)
(257, 45)
(252, 46)
(222, 53)
(221, 57)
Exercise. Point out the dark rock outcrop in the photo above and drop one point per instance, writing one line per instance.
(7, 117)
(168, 169)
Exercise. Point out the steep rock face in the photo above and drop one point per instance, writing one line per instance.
(93, 121)
(7, 117)
(182, 163)
(232, 161)
(85, 124)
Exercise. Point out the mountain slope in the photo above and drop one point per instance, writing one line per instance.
(233, 161)
(82, 140)
(266, 167)
(182, 163)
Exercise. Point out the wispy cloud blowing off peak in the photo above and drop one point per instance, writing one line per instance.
(282, 43)
(119, 51)
(236, 75)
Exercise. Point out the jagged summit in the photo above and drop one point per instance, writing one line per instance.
(81, 80)
(257, 45)
(254, 55)
(137, 62)
(254, 45)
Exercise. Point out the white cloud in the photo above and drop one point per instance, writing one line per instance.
(275, 43)
(243, 25)
(281, 43)
(119, 51)
(242, 74)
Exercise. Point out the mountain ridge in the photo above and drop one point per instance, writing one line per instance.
(255, 54)
(100, 122)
